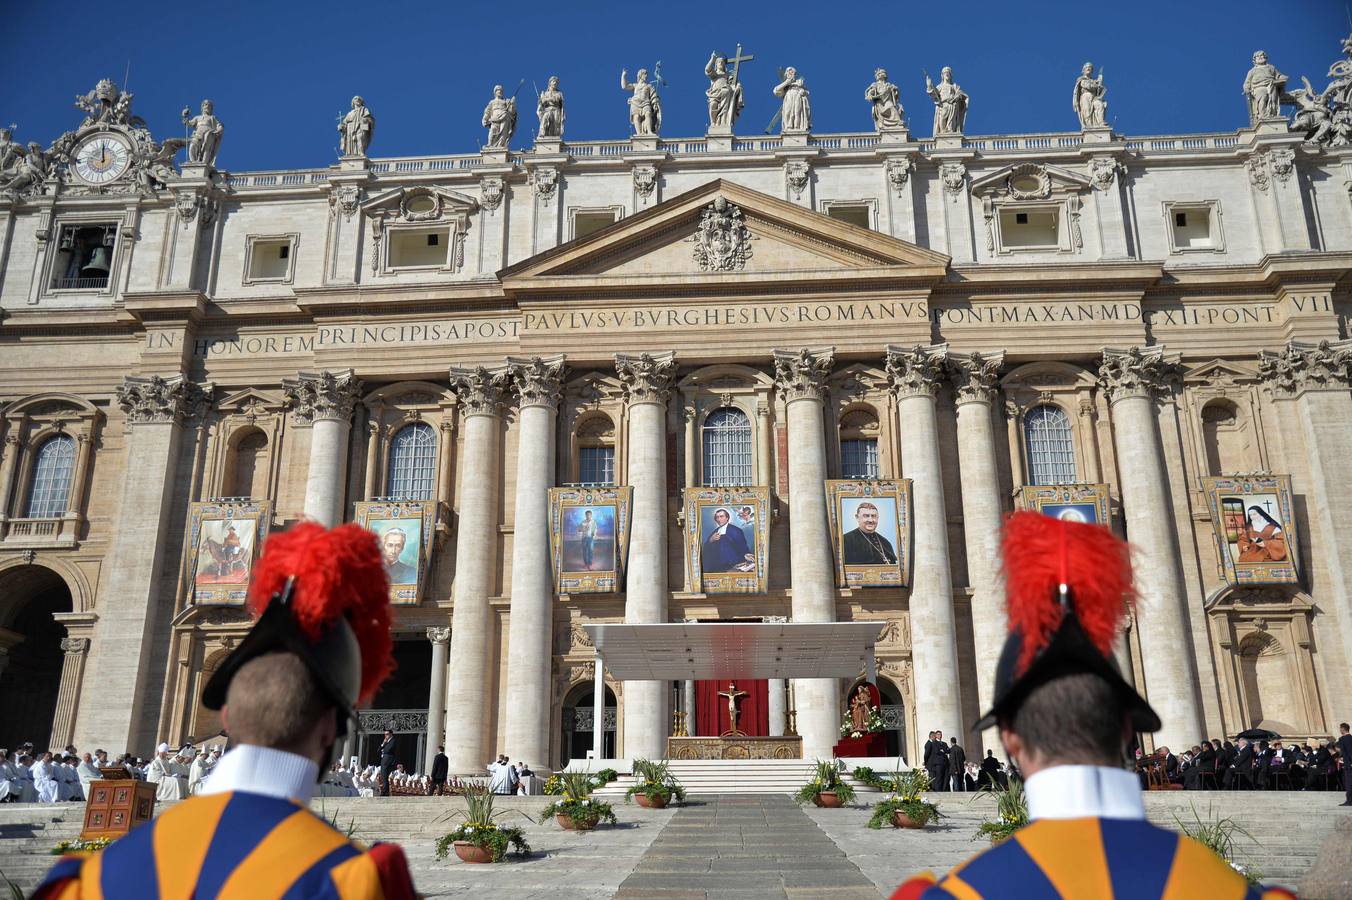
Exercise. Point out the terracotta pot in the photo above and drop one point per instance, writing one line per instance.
(568, 823)
(828, 799)
(901, 820)
(658, 802)
(471, 853)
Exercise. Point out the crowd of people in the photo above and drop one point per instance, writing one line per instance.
(60, 776)
(1245, 764)
(949, 769)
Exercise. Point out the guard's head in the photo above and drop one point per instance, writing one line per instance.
(273, 701)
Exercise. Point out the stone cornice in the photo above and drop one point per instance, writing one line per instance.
(537, 380)
(1136, 372)
(481, 389)
(1301, 367)
(646, 378)
(916, 371)
(976, 376)
(154, 400)
(323, 395)
(802, 374)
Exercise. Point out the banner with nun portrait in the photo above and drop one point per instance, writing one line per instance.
(1255, 530)
(224, 537)
(403, 529)
(589, 538)
(1086, 503)
(727, 539)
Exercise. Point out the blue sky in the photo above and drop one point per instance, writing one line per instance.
(280, 72)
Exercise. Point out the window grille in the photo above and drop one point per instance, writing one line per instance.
(859, 458)
(51, 478)
(727, 447)
(596, 465)
(413, 463)
(1051, 451)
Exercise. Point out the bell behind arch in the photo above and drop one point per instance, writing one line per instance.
(97, 267)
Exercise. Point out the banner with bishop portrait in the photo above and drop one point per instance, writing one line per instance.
(1255, 528)
(403, 529)
(727, 539)
(589, 538)
(871, 532)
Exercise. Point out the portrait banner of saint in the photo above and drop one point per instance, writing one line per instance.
(727, 538)
(589, 538)
(871, 531)
(1084, 503)
(1255, 529)
(223, 540)
(403, 531)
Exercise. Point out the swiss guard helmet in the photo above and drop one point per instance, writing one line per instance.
(1067, 588)
(322, 595)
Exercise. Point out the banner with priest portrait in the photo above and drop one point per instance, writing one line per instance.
(727, 539)
(1255, 528)
(1087, 503)
(871, 532)
(403, 529)
(589, 538)
(224, 537)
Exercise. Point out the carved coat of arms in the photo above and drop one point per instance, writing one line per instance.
(722, 241)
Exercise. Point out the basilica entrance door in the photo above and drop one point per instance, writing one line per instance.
(31, 655)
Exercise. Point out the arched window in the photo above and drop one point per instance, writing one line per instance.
(249, 471)
(1051, 452)
(1226, 438)
(859, 445)
(413, 463)
(727, 447)
(52, 472)
(596, 450)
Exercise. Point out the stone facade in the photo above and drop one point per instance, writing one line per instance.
(1179, 299)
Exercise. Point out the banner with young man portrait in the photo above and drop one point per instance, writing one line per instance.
(589, 538)
(403, 528)
(871, 532)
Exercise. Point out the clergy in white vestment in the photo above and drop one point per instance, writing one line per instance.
(197, 770)
(11, 785)
(161, 772)
(69, 780)
(88, 771)
(29, 791)
(500, 776)
(44, 780)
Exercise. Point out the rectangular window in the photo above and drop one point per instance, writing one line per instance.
(1192, 230)
(859, 214)
(418, 248)
(596, 465)
(270, 260)
(84, 257)
(591, 221)
(1030, 229)
(859, 458)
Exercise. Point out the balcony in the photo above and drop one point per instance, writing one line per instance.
(40, 534)
(80, 284)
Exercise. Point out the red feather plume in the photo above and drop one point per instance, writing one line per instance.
(338, 573)
(1039, 552)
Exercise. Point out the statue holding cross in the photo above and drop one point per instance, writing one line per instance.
(725, 90)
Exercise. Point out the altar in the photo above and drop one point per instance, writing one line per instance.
(744, 746)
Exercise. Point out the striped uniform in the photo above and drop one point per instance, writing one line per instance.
(233, 845)
(1093, 859)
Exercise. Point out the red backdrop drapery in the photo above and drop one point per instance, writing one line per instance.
(711, 710)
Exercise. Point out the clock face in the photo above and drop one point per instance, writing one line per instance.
(101, 159)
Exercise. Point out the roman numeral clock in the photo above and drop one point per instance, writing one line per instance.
(101, 158)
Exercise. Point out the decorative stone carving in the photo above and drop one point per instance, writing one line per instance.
(976, 375)
(537, 381)
(1283, 161)
(646, 378)
(795, 109)
(549, 110)
(481, 389)
(156, 400)
(544, 181)
(490, 192)
(898, 171)
(645, 180)
(27, 171)
(1258, 171)
(1263, 87)
(439, 635)
(106, 104)
(950, 103)
(1135, 372)
(1300, 367)
(186, 204)
(797, 174)
(578, 637)
(314, 396)
(1325, 117)
(30, 556)
(500, 119)
(344, 199)
(207, 130)
(645, 107)
(1087, 98)
(802, 374)
(356, 129)
(954, 176)
(1103, 171)
(913, 371)
(1073, 206)
(74, 645)
(885, 100)
(722, 240)
(725, 95)
(1029, 181)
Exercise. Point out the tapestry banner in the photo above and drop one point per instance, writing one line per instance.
(727, 539)
(1255, 530)
(224, 537)
(871, 532)
(1070, 502)
(404, 530)
(589, 538)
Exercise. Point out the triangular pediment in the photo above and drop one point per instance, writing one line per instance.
(420, 204)
(1219, 373)
(249, 399)
(721, 231)
(1030, 181)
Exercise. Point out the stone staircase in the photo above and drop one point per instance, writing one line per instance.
(742, 776)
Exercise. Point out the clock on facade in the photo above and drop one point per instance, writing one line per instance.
(101, 158)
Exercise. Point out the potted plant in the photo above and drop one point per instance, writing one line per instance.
(826, 787)
(1218, 836)
(575, 809)
(1011, 809)
(481, 838)
(654, 785)
(905, 808)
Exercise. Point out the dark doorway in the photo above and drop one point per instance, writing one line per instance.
(401, 705)
(578, 714)
(31, 679)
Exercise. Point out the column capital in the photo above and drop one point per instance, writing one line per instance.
(537, 380)
(322, 395)
(156, 400)
(481, 389)
(439, 634)
(646, 377)
(975, 376)
(1299, 367)
(802, 374)
(75, 645)
(1136, 372)
(916, 371)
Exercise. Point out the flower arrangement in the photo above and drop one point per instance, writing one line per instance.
(481, 830)
(1011, 808)
(1218, 836)
(575, 808)
(554, 783)
(654, 782)
(872, 725)
(905, 808)
(80, 845)
(826, 781)
(866, 776)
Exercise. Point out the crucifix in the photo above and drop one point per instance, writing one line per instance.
(733, 696)
(737, 60)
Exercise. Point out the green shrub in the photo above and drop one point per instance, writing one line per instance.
(481, 827)
(907, 787)
(826, 780)
(654, 780)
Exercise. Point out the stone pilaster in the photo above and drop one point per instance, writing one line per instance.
(647, 387)
(436, 691)
(800, 379)
(75, 650)
(537, 385)
(915, 375)
(1132, 379)
(324, 401)
(975, 382)
(154, 409)
(481, 391)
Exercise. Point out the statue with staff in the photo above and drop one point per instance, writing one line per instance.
(645, 106)
(356, 129)
(500, 118)
(549, 109)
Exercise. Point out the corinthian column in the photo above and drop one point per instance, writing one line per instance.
(121, 656)
(529, 636)
(647, 385)
(974, 379)
(800, 378)
(436, 691)
(1131, 378)
(915, 375)
(325, 400)
(472, 635)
